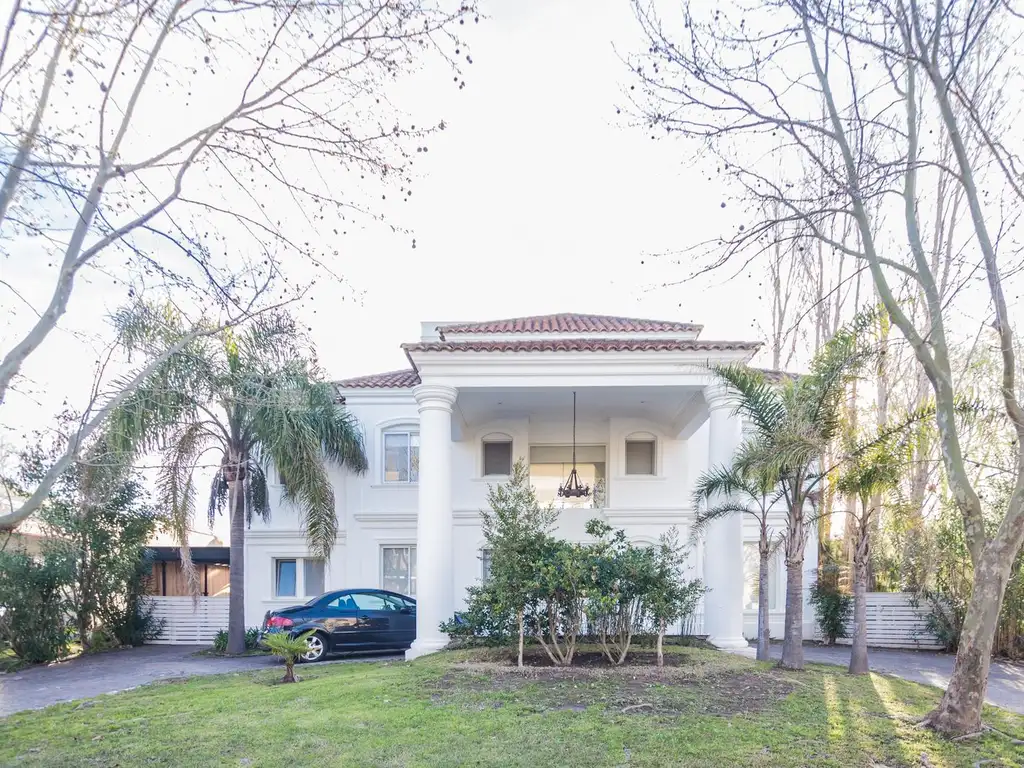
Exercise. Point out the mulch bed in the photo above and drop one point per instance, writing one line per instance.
(638, 687)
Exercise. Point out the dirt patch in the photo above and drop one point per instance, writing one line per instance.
(633, 689)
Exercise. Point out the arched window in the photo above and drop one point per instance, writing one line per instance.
(497, 455)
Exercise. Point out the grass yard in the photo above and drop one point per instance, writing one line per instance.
(470, 708)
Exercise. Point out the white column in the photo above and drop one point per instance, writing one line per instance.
(723, 555)
(434, 602)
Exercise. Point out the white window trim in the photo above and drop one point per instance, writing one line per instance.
(495, 437)
(300, 577)
(396, 544)
(639, 434)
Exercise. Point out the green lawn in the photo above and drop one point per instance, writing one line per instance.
(466, 708)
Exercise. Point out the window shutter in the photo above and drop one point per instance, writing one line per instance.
(639, 457)
(498, 458)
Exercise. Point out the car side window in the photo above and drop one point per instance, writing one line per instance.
(342, 603)
(392, 603)
(368, 601)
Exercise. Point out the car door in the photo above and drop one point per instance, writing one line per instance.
(341, 617)
(374, 619)
(403, 621)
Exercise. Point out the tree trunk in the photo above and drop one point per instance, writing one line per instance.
(859, 649)
(959, 711)
(793, 642)
(661, 643)
(763, 628)
(236, 600)
(289, 671)
(519, 617)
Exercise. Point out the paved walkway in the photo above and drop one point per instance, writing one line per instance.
(95, 674)
(1005, 681)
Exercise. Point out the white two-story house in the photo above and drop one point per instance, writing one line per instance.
(649, 418)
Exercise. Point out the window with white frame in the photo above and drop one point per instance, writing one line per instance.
(398, 569)
(401, 456)
(752, 577)
(485, 565)
(497, 456)
(298, 576)
(640, 455)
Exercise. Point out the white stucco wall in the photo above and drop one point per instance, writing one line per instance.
(372, 514)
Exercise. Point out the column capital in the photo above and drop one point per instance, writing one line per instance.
(719, 395)
(435, 396)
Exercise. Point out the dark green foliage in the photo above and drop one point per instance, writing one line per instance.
(36, 605)
(832, 606)
(487, 620)
(252, 636)
(546, 588)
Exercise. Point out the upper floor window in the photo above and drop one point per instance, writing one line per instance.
(640, 455)
(497, 455)
(401, 457)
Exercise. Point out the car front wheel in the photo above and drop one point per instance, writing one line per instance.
(317, 648)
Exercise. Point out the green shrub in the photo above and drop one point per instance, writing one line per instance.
(832, 606)
(486, 621)
(252, 638)
(37, 609)
(220, 641)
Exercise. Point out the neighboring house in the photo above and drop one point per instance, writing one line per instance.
(28, 536)
(649, 418)
(210, 557)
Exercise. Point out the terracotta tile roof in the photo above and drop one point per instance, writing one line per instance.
(389, 380)
(581, 345)
(570, 322)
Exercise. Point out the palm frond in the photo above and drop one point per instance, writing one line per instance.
(296, 423)
(755, 396)
(176, 488)
(257, 500)
(705, 517)
(218, 496)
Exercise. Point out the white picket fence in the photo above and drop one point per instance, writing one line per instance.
(894, 622)
(188, 622)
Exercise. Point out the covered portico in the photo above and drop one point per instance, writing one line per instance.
(657, 380)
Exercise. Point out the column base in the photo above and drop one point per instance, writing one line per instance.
(729, 643)
(426, 645)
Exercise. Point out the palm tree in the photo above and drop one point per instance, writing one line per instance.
(869, 475)
(794, 420)
(253, 397)
(751, 493)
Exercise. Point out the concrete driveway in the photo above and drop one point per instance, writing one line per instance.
(1005, 681)
(95, 674)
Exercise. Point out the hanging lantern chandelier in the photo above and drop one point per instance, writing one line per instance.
(572, 488)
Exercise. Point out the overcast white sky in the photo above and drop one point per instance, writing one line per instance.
(537, 198)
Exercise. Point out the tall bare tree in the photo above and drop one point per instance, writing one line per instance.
(891, 74)
(211, 151)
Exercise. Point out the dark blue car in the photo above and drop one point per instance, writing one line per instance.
(348, 620)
